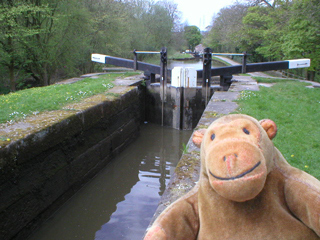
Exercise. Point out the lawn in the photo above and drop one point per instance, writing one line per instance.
(296, 111)
(178, 55)
(16, 106)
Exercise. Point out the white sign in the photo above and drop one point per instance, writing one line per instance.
(299, 63)
(100, 58)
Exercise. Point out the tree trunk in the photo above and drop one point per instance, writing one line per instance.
(312, 74)
(11, 74)
(45, 75)
(11, 64)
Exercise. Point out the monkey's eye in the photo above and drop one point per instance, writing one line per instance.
(213, 136)
(246, 131)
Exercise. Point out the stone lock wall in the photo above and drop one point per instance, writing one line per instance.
(41, 169)
(183, 106)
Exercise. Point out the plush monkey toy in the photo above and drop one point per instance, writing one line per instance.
(246, 190)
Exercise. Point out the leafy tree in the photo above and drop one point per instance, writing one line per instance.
(158, 25)
(177, 41)
(268, 3)
(270, 30)
(51, 39)
(263, 28)
(303, 37)
(173, 12)
(44, 48)
(16, 26)
(227, 29)
(193, 36)
(110, 24)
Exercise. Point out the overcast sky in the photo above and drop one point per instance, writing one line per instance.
(200, 12)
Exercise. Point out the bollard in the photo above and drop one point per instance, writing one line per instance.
(225, 81)
(244, 62)
(135, 60)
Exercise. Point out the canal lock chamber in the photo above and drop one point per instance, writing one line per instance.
(182, 109)
(52, 164)
(120, 201)
(180, 104)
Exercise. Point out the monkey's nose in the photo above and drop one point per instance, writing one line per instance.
(230, 157)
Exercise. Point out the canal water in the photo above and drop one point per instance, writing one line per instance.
(121, 200)
(195, 63)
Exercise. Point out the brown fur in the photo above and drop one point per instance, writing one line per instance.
(246, 190)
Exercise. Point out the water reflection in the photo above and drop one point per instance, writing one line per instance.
(195, 63)
(120, 201)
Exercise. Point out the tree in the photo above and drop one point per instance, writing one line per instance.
(52, 39)
(226, 31)
(173, 13)
(193, 36)
(263, 29)
(16, 28)
(177, 41)
(268, 3)
(159, 25)
(302, 39)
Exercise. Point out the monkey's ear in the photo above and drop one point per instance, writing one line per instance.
(270, 127)
(198, 137)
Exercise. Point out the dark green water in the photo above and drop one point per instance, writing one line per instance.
(121, 200)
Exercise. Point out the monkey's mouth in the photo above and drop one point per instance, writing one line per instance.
(238, 176)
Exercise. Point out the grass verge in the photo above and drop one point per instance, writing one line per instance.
(220, 60)
(18, 105)
(272, 80)
(295, 110)
(178, 55)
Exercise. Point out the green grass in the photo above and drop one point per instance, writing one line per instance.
(271, 80)
(185, 149)
(178, 55)
(152, 59)
(295, 110)
(244, 74)
(155, 58)
(220, 60)
(16, 106)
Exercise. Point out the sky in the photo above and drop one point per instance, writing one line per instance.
(200, 12)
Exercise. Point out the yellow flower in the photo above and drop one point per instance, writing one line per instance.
(292, 155)
(8, 139)
(306, 166)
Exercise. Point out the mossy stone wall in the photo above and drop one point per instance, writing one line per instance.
(41, 169)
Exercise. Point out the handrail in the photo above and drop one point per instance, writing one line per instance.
(146, 52)
(258, 67)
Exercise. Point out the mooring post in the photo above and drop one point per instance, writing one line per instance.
(135, 60)
(244, 62)
(225, 81)
(206, 81)
(163, 79)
